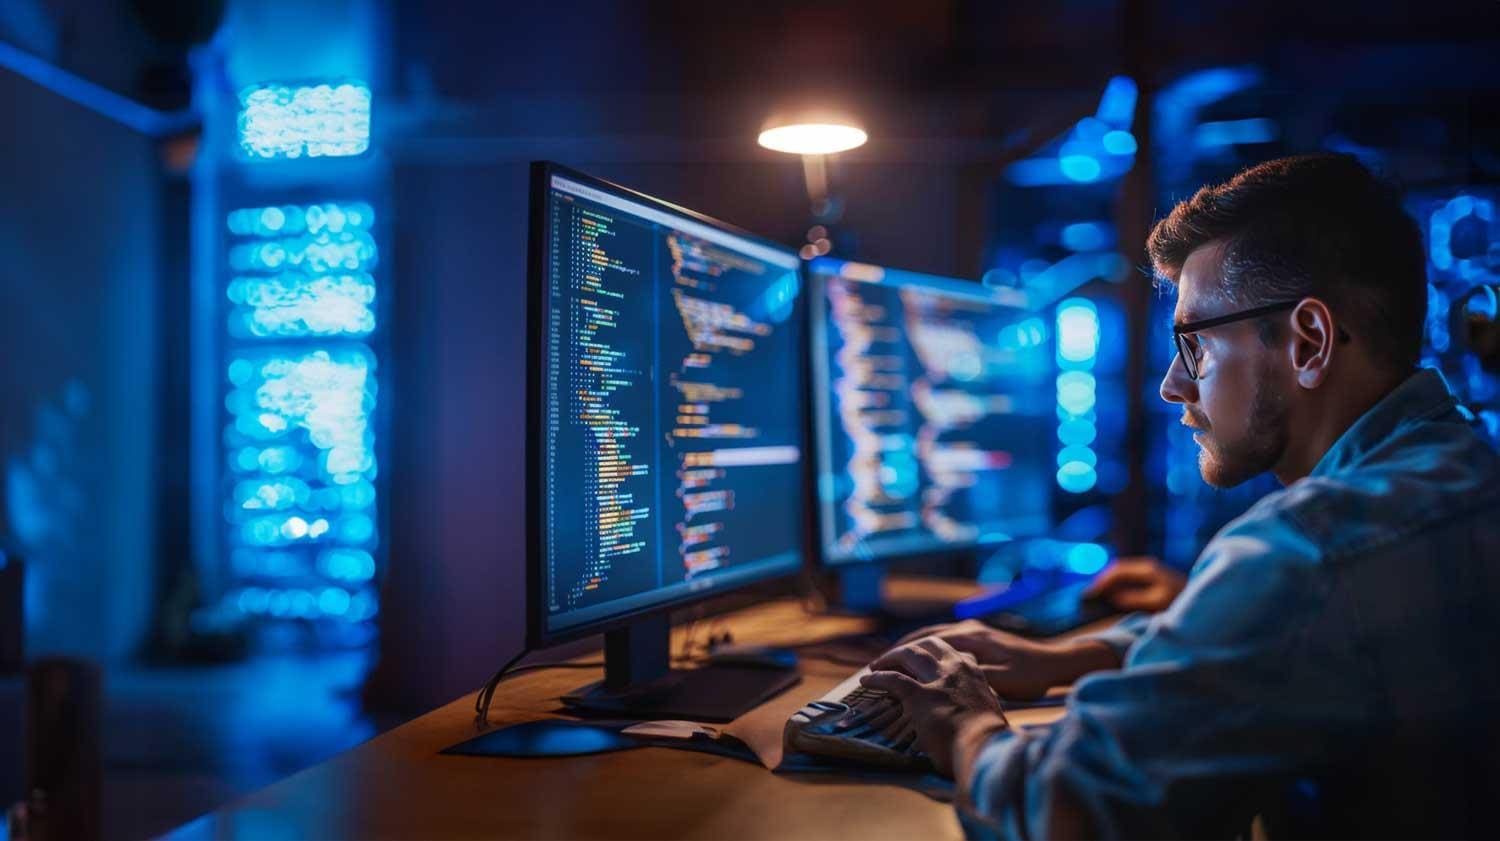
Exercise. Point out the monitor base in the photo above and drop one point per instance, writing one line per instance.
(712, 693)
(640, 683)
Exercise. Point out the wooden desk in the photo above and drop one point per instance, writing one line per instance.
(398, 785)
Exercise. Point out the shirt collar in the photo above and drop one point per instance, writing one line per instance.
(1423, 395)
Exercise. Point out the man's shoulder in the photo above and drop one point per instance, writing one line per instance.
(1414, 482)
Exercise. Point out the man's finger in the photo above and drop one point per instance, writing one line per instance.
(937, 647)
(895, 683)
(1100, 585)
(1118, 576)
(886, 714)
(897, 728)
(912, 660)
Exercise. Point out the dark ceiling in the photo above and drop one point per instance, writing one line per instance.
(938, 68)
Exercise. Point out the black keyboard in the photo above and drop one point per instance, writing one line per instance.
(852, 724)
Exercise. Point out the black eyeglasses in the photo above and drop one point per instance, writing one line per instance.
(1190, 350)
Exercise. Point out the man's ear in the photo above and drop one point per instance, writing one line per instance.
(1311, 342)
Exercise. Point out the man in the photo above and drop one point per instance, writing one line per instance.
(1331, 665)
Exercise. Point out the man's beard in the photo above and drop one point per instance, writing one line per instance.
(1225, 466)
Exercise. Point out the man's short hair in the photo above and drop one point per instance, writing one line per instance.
(1311, 225)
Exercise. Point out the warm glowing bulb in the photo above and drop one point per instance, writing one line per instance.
(813, 138)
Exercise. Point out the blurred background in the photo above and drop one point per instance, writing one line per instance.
(263, 262)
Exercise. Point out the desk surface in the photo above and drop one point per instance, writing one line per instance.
(398, 785)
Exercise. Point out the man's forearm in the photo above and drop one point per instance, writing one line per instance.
(1085, 656)
(969, 740)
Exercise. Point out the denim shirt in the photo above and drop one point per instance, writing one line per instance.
(1332, 667)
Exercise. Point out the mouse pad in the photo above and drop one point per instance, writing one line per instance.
(562, 737)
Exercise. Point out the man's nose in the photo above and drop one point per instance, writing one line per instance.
(1177, 386)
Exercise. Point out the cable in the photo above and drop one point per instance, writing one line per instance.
(486, 692)
(510, 669)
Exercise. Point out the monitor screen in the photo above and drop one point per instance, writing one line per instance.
(670, 404)
(934, 413)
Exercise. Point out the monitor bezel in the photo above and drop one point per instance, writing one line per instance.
(538, 635)
(819, 385)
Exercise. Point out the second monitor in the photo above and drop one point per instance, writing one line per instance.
(934, 411)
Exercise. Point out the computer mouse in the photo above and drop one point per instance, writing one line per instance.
(753, 656)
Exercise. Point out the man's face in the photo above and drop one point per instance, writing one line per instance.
(1236, 406)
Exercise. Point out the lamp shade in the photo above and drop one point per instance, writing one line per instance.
(813, 138)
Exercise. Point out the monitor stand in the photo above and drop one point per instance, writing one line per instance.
(861, 590)
(639, 681)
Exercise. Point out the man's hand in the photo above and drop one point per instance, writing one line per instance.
(944, 698)
(1137, 584)
(1018, 668)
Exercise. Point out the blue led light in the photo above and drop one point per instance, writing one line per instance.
(1491, 420)
(270, 495)
(1029, 333)
(327, 217)
(1117, 104)
(1035, 172)
(1075, 392)
(1119, 143)
(1438, 334)
(347, 564)
(1076, 431)
(347, 251)
(333, 601)
(327, 603)
(1077, 453)
(1077, 332)
(1210, 85)
(1086, 558)
(356, 529)
(1082, 168)
(290, 305)
(301, 440)
(1090, 130)
(1479, 213)
(300, 280)
(1232, 132)
(1077, 477)
(278, 121)
(1086, 236)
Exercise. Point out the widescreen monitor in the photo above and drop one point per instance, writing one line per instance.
(666, 414)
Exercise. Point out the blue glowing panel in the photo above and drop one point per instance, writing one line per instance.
(280, 121)
(1099, 147)
(1234, 132)
(1117, 104)
(1463, 238)
(302, 271)
(1462, 230)
(301, 462)
(1077, 394)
